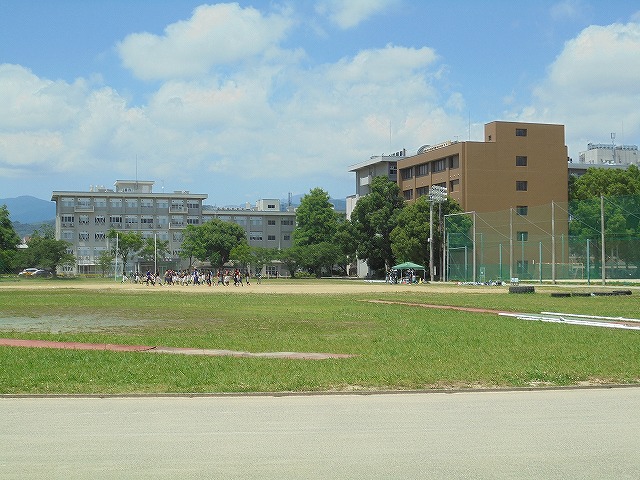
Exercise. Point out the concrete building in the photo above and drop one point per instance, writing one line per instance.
(606, 156)
(518, 164)
(519, 169)
(84, 219)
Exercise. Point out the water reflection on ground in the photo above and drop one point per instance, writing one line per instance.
(65, 324)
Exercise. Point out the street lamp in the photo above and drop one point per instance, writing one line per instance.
(437, 194)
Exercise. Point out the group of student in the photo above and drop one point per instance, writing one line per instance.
(222, 277)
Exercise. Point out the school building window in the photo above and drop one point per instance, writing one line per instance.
(521, 132)
(407, 194)
(521, 186)
(523, 236)
(522, 210)
(406, 173)
(521, 161)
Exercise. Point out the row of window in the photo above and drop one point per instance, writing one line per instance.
(454, 186)
(434, 166)
(129, 203)
(84, 236)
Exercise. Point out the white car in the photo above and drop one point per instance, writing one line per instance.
(33, 272)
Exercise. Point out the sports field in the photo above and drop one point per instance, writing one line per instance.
(267, 337)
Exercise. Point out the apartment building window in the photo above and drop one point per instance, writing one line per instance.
(406, 173)
(84, 203)
(67, 235)
(132, 202)
(522, 210)
(67, 220)
(522, 236)
(146, 222)
(146, 202)
(163, 203)
(271, 206)
(100, 236)
(271, 222)
(521, 161)
(177, 220)
(422, 191)
(521, 186)
(192, 204)
(521, 132)
(131, 221)
(68, 202)
(116, 203)
(393, 168)
(286, 237)
(115, 219)
(177, 236)
(83, 219)
(163, 220)
(454, 162)
(242, 221)
(271, 238)
(255, 221)
(257, 236)
(422, 170)
(408, 194)
(286, 222)
(454, 185)
(439, 165)
(83, 236)
(99, 220)
(100, 202)
(193, 220)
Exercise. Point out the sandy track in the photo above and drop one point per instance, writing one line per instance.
(274, 287)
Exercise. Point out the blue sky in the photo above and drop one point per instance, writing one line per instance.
(253, 100)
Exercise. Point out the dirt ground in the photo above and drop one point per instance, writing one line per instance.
(267, 286)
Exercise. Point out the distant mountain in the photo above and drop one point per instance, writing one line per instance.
(27, 209)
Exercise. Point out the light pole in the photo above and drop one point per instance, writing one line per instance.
(437, 194)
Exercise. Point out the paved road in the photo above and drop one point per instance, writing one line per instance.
(590, 433)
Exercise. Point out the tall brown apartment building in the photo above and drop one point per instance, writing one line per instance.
(514, 177)
(517, 165)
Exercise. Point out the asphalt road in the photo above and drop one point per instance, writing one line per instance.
(549, 434)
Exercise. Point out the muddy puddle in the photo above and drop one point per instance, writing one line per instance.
(66, 324)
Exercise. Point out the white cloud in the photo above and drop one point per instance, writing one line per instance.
(215, 35)
(592, 87)
(349, 13)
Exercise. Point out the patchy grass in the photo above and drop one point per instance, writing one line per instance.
(396, 346)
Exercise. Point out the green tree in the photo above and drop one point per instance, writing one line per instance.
(105, 261)
(316, 227)
(241, 254)
(152, 248)
(316, 219)
(125, 245)
(374, 218)
(260, 256)
(410, 238)
(621, 192)
(9, 241)
(213, 240)
(45, 252)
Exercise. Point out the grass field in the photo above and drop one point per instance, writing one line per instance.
(394, 346)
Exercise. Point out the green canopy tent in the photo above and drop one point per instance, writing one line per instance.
(408, 266)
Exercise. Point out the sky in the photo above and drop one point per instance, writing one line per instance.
(258, 99)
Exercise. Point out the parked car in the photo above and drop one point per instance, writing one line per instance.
(33, 272)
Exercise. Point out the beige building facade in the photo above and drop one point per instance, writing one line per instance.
(519, 168)
(84, 218)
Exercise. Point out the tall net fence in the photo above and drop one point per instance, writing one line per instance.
(558, 241)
